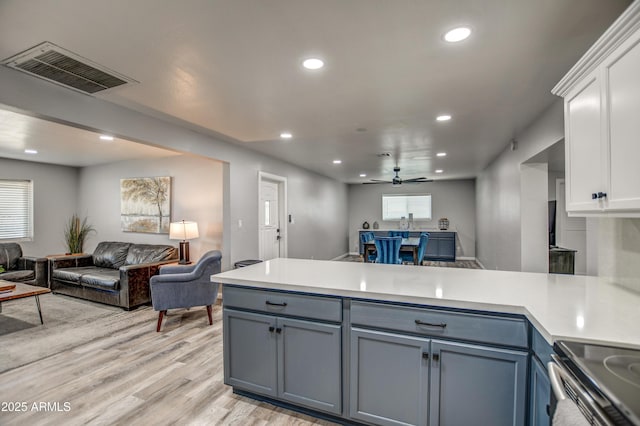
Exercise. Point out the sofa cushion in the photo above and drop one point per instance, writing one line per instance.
(9, 255)
(71, 274)
(110, 254)
(149, 253)
(102, 278)
(18, 275)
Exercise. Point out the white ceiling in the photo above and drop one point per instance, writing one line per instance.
(60, 144)
(233, 67)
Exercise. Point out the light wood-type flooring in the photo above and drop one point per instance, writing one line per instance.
(136, 376)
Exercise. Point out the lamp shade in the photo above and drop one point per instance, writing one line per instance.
(183, 230)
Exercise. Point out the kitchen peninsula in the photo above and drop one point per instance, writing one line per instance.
(387, 344)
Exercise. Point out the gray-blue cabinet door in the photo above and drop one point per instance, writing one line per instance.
(540, 394)
(309, 364)
(389, 378)
(250, 352)
(477, 385)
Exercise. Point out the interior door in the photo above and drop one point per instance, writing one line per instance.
(269, 220)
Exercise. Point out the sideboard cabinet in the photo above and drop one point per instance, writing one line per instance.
(441, 245)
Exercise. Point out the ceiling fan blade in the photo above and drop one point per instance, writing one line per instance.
(417, 180)
(376, 181)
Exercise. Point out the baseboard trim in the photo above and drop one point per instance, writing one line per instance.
(465, 258)
(342, 256)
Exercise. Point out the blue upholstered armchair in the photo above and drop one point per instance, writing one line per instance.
(185, 286)
(388, 249)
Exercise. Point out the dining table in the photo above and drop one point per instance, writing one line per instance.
(410, 244)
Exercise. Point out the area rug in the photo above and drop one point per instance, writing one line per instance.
(68, 322)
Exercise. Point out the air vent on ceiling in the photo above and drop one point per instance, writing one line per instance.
(61, 66)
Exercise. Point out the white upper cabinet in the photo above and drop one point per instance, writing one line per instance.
(602, 123)
(622, 77)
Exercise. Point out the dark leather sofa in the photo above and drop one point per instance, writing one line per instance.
(117, 273)
(19, 268)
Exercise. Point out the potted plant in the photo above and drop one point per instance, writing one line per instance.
(76, 232)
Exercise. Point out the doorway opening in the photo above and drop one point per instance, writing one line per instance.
(272, 216)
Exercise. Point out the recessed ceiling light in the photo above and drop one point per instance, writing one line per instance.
(286, 135)
(337, 161)
(439, 171)
(444, 117)
(457, 34)
(421, 157)
(441, 154)
(313, 63)
(363, 175)
(106, 138)
(30, 151)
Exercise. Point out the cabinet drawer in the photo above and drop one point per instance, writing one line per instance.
(431, 322)
(282, 303)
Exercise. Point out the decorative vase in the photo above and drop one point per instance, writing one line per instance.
(375, 225)
(365, 225)
(404, 223)
(443, 223)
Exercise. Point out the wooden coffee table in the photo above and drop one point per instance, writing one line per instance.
(20, 291)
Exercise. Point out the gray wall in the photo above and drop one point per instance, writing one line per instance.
(498, 193)
(613, 244)
(196, 195)
(453, 199)
(55, 197)
(314, 215)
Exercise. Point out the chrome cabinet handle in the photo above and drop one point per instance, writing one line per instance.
(429, 324)
(276, 304)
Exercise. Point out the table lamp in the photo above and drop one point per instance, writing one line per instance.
(184, 231)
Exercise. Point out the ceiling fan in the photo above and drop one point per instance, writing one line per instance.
(397, 180)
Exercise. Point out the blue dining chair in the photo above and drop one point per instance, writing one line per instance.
(366, 237)
(422, 247)
(388, 249)
(402, 234)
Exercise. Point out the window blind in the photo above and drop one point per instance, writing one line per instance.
(397, 206)
(16, 209)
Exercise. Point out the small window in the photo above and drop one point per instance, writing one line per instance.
(16, 210)
(395, 207)
(267, 213)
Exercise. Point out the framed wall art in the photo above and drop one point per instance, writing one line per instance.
(145, 204)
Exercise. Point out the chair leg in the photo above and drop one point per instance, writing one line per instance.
(209, 313)
(160, 315)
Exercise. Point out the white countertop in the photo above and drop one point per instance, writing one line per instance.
(559, 306)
